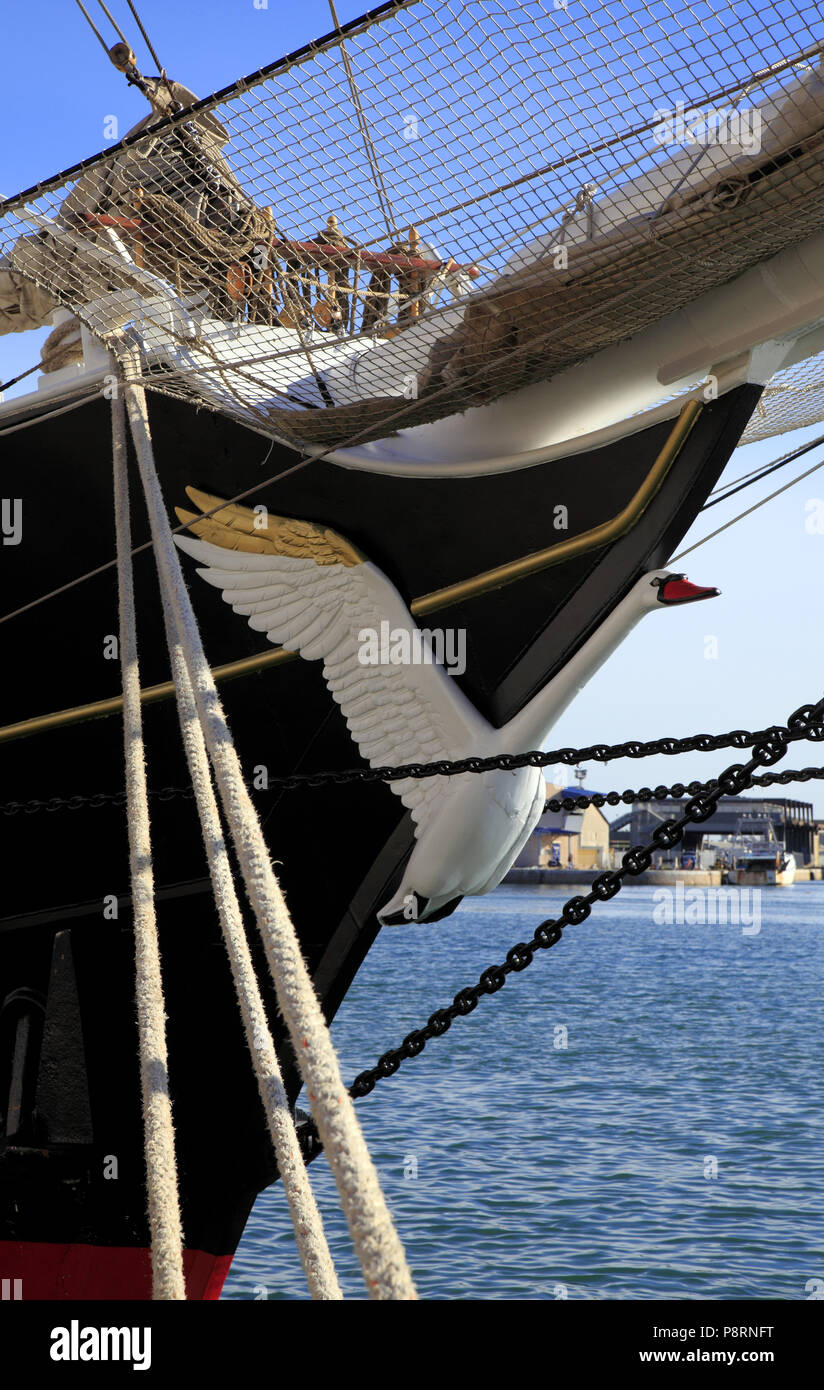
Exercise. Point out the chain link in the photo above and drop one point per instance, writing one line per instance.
(566, 803)
(805, 722)
(76, 803)
(768, 745)
(596, 752)
(579, 801)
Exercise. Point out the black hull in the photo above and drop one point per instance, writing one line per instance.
(67, 1027)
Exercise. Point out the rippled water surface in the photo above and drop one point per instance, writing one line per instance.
(519, 1168)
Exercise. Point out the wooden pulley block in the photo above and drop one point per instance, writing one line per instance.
(122, 56)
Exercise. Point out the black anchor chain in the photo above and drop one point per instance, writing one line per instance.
(678, 789)
(768, 747)
(805, 722)
(577, 802)
(504, 762)
(98, 799)
(508, 762)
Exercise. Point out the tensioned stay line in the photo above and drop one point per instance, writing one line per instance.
(369, 146)
(722, 494)
(527, 349)
(107, 12)
(93, 27)
(762, 503)
(146, 38)
(47, 415)
(396, 418)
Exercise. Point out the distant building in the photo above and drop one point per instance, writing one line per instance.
(568, 839)
(792, 821)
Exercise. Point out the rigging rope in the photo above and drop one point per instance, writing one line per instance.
(161, 1167)
(699, 97)
(314, 456)
(192, 167)
(749, 511)
(369, 146)
(92, 26)
(309, 1234)
(110, 564)
(146, 38)
(63, 346)
(25, 425)
(113, 22)
(373, 1233)
(722, 493)
(12, 381)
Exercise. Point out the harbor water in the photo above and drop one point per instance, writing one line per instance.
(636, 1116)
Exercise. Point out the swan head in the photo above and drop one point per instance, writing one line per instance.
(667, 589)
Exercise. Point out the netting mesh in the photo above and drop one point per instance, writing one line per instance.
(455, 202)
(794, 398)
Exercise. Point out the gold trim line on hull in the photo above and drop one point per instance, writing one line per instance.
(593, 539)
(476, 585)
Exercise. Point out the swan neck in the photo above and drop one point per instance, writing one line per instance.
(532, 725)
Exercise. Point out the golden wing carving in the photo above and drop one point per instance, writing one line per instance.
(238, 528)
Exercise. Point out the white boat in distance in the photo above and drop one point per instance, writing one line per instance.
(763, 862)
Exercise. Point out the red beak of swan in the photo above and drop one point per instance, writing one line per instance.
(676, 588)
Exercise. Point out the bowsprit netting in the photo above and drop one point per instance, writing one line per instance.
(438, 207)
(793, 398)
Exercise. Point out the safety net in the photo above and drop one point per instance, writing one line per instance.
(436, 206)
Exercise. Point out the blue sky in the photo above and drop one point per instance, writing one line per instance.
(57, 93)
(54, 100)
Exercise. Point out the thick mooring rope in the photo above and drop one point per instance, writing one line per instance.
(161, 1168)
(309, 1234)
(63, 346)
(375, 1239)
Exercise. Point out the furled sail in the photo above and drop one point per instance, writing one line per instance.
(440, 206)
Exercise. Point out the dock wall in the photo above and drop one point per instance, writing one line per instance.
(705, 878)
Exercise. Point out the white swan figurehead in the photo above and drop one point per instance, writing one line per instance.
(313, 593)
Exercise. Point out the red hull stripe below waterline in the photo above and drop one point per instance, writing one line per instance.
(50, 1272)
